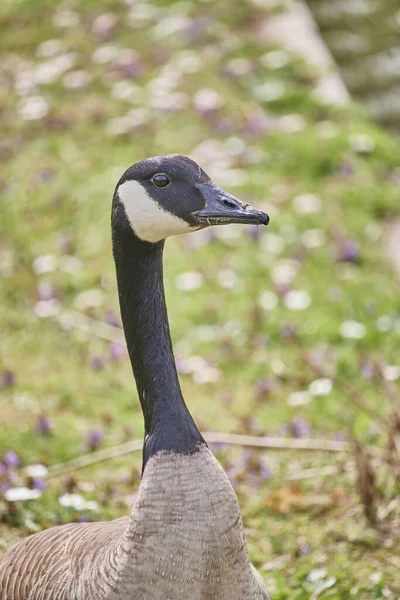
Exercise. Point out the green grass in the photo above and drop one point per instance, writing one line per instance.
(57, 180)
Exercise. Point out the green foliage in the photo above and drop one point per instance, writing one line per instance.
(316, 284)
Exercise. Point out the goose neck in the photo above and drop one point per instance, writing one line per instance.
(168, 423)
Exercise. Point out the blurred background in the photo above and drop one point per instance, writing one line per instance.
(292, 332)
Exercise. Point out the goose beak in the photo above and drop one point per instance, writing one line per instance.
(222, 208)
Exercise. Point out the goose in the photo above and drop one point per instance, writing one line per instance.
(184, 538)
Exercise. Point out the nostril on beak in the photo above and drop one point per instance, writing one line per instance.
(229, 204)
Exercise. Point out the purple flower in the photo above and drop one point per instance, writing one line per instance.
(45, 291)
(223, 124)
(303, 549)
(288, 331)
(111, 318)
(82, 519)
(43, 176)
(349, 251)
(4, 472)
(218, 446)
(96, 362)
(368, 369)
(236, 68)
(7, 378)
(65, 243)
(104, 26)
(93, 439)
(197, 28)
(43, 425)
(264, 387)
(11, 459)
(300, 428)
(253, 231)
(259, 123)
(117, 351)
(39, 484)
(346, 170)
(265, 471)
(4, 487)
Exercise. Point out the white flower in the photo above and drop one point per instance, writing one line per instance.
(320, 387)
(123, 125)
(313, 238)
(277, 366)
(105, 54)
(239, 66)
(362, 143)
(373, 231)
(89, 299)
(65, 61)
(207, 374)
(126, 90)
(76, 79)
(46, 73)
(273, 243)
(269, 91)
(33, 108)
(36, 471)
(235, 146)
(21, 493)
(206, 333)
(275, 59)
(231, 177)
(187, 61)
(49, 48)
(352, 330)
(391, 372)
(104, 23)
(307, 203)
(170, 25)
(77, 502)
(161, 85)
(327, 129)
(201, 371)
(316, 575)
(229, 235)
(141, 12)
(268, 300)
(227, 278)
(208, 99)
(66, 18)
(44, 264)
(171, 101)
(297, 300)
(47, 308)
(70, 264)
(25, 83)
(298, 398)
(292, 123)
(284, 271)
(191, 280)
(384, 323)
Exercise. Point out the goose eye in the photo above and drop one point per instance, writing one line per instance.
(161, 180)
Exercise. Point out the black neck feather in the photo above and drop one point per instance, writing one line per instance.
(168, 423)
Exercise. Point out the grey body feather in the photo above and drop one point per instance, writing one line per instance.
(184, 539)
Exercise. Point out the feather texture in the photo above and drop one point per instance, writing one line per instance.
(184, 539)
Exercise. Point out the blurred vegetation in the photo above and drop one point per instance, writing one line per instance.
(293, 331)
(363, 36)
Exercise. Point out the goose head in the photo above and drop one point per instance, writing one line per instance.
(168, 195)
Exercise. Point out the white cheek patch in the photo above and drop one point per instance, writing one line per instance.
(150, 222)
